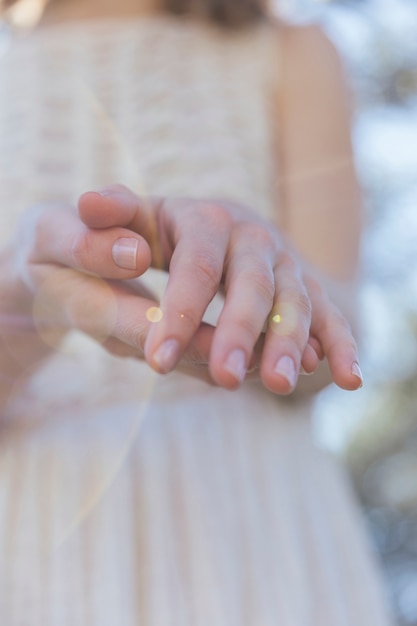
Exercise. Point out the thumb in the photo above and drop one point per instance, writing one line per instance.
(117, 205)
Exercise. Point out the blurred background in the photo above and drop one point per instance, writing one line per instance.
(375, 429)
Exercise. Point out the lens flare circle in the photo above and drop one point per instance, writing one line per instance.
(283, 319)
(154, 314)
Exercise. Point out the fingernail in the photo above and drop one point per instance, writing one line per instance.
(356, 371)
(167, 355)
(104, 192)
(124, 253)
(235, 364)
(286, 368)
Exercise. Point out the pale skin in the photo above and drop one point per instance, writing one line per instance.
(296, 278)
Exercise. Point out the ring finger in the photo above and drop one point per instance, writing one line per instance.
(286, 341)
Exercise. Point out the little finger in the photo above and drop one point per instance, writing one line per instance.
(333, 332)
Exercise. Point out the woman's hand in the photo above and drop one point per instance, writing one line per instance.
(58, 274)
(212, 245)
(64, 272)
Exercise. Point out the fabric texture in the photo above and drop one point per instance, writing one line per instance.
(125, 497)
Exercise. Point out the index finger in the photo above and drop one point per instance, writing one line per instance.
(117, 205)
(195, 274)
(188, 237)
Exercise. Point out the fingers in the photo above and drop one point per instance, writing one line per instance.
(114, 206)
(311, 357)
(249, 293)
(128, 339)
(195, 274)
(204, 245)
(102, 248)
(117, 314)
(59, 237)
(192, 238)
(286, 343)
(330, 327)
(257, 284)
(304, 326)
(119, 206)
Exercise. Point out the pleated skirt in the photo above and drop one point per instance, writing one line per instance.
(192, 506)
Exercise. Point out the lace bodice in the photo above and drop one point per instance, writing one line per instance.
(162, 105)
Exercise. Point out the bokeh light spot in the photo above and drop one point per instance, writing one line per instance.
(283, 319)
(154, 314)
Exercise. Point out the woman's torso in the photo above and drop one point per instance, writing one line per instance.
(127, 497)
(165, 106)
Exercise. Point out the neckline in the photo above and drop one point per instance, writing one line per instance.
(133, 21)
(104, 21)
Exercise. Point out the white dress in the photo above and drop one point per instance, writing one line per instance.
(127, 498)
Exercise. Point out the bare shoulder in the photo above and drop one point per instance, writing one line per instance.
(305, 38)
(314, 88)
(309, 56)
(320, 197)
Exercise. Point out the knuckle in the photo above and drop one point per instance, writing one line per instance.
(304, 304)
(247, 329)
(352, 346)
(217, 215)
(339, 331)
(291, 317)
(344, 326)
(214, 210)
(81, 249)
(287, 262)
(314, 286)
(256, 233)
(214, 213)
(197, 216)
(264, 286)
(208, 270)
(301, 301)
(348, 346)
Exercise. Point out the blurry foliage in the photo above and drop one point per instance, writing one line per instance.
(382, 454)
(378, 39)
(382, 457)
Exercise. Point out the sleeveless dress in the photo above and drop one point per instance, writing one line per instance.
(125, 497)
